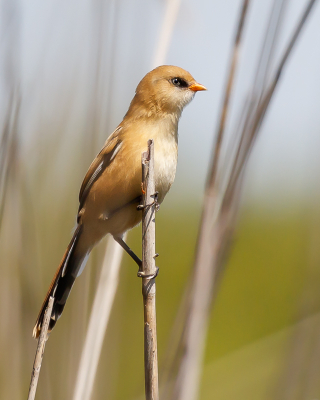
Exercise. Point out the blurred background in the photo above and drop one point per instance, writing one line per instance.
(68, 71)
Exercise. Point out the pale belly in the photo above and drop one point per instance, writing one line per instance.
(166, 157)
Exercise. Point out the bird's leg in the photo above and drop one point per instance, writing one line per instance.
(140, 273)
(126, 248)
(155, 203)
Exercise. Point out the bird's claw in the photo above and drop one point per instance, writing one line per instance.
(141, 274)
(154, 203)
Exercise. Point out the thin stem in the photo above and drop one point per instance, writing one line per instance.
(40, 351)
(294, 37)
(148, 272)
(263, 104)
(228, 91)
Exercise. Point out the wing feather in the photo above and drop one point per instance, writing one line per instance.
(99, 164)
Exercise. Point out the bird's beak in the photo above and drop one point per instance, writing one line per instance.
(195, 87)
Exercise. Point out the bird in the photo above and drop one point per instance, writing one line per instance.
(111, 190)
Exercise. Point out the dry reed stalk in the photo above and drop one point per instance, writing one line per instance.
(99, 318)
(11, 93)
(148, 271)
(8, 146)
(207, 254)
(220, 205)
(40, 350)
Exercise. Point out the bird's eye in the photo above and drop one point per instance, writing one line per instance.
(179, 82)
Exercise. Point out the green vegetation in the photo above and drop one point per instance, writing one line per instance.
(256, 308)
(259, 297)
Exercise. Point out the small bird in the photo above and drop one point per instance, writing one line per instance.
(111, 189)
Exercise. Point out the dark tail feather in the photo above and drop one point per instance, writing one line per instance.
(62, 282)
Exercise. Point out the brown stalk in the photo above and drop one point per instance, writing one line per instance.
(228, 91)
(252, 127)
(149, 270)
(40, 351)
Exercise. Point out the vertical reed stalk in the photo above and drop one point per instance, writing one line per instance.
(40, 350)
(148, 273)
(210, 241)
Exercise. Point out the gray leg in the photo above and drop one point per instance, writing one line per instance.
(125, 247)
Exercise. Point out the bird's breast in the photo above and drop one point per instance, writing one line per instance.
(165, 162)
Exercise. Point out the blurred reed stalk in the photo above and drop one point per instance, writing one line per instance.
(98, 322)
(10, 68)
(8, 148)
(11, 336)
(40, 350)
(109, 275)
(99, 318)
(149, 270)
(222, 196)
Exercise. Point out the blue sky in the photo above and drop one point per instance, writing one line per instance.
(66, 74)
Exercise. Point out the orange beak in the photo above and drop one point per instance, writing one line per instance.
(195, 87)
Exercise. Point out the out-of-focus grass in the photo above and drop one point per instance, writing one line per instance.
(257, 301)
(258, 297)
(264, 276)
(246, 373)
(254, 371)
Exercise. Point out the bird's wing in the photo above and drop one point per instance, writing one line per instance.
(99, 164)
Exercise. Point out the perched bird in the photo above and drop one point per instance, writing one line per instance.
(111, 189)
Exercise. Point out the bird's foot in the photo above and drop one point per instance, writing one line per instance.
(154, 203)
(141, 274)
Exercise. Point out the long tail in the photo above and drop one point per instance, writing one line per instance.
(70, 267)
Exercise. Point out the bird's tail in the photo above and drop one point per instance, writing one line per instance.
(70, 267)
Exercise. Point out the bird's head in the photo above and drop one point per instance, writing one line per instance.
(164, 90)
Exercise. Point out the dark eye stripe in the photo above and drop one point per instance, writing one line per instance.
(179, 82)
